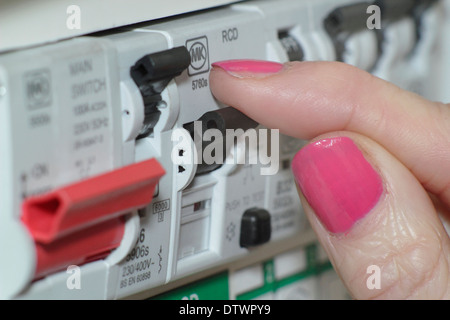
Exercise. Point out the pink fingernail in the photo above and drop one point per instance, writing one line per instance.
(337, 181)
(249, 68)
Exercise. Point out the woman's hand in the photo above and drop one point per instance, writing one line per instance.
(374, 175)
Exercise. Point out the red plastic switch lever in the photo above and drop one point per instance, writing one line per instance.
(83, 221)
(88, 245)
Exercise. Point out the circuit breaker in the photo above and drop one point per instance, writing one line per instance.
(104, 193)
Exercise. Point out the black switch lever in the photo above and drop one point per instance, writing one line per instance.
(152, 73)
(255, 227)
(221, 119)
(344, 21)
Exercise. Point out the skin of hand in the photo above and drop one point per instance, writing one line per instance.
(374, 178)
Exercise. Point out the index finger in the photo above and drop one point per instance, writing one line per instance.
(306, 99)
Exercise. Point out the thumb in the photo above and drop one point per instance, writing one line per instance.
(374, 219)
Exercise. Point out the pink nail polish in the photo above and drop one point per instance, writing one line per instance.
(249, 68)
(337, 181)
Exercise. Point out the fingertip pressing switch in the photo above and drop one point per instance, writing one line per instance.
(255, 227)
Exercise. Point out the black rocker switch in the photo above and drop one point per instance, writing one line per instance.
(221, 119)
(255, 227)
(152, 73)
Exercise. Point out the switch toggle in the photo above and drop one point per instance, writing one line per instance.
(152, 73)
(255, 227)
(354, 42)
(223, 119)
(293, 49)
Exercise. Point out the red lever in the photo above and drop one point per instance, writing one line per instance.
(87, 202)
(85, 220)
(91, 244)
